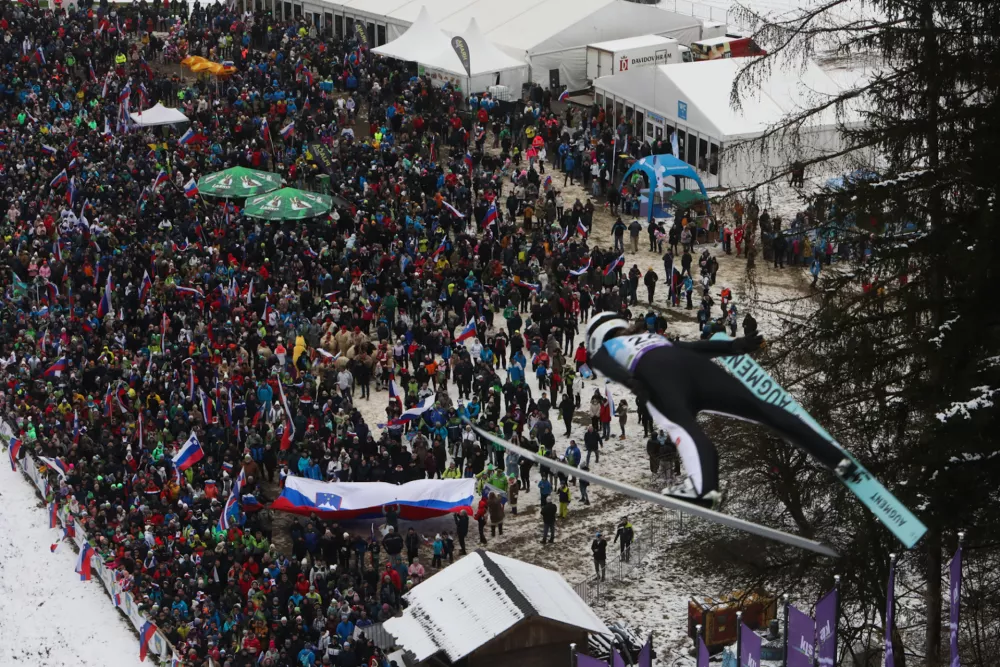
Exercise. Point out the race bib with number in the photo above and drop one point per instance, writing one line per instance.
(627, 350)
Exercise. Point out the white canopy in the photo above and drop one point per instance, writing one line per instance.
(428, 45)
(158, 115)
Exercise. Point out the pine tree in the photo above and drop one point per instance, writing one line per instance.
(901, 359)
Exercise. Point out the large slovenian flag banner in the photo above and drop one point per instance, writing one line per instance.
(14, 449)
(55, 465)
(420, 499)
(56, 369)
(414, 413)
(189, 454)
(145, 636)
(395, 391)
(467, 332)
(490, 217)
(582, 270)
(83, 561)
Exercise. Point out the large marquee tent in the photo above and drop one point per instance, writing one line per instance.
(551, 36)
(690, 104)
(425, 43)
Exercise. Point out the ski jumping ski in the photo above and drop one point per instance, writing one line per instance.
(662, 500)
(892, 513)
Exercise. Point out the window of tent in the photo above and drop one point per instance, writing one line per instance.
(328, 24)
(380, 36)
(609, 110)
(649, 130)
(640, 121)
(348, 25)
(297, 11)
(681, 143)
(371, 34)
(619, 111)
(599, 100)
(702, 154)
(713, 160)
(338, 24)
(692, 149)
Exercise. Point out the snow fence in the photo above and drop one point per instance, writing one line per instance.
(158, 645)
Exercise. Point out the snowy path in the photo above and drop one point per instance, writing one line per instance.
(48, 617)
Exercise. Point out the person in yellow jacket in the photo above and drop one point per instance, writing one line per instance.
(300, 347)
(452, 472)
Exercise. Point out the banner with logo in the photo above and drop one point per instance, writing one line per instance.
(826, 630)
(323, 156)
(801, 638)
(749, 647)
(462, 49)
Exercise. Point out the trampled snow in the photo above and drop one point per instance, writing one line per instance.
(48, 617)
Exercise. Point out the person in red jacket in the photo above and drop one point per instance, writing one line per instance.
(580, 356)
(605, 420)
(481, 518)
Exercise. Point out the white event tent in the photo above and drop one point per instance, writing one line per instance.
(426, 44)
(689, 104)
(158, 115)
(551, 36)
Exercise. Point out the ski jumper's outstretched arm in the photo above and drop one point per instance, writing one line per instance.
(721, 348)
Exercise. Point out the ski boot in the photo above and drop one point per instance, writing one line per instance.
(847, 470)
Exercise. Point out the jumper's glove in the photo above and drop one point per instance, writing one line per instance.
(747, 344)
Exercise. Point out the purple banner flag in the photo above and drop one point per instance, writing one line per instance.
(587, 661)
(749, 647)
(826, 629)
(801, 635)
(956, 589)
(646, 654)
(702, 653)
(889, 661)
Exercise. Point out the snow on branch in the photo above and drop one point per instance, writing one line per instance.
(964, 408)
(945, 327)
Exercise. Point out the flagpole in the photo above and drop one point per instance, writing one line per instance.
(698, 629)
(836, 614)
(572, 655)
(739, 639)
(784, 657)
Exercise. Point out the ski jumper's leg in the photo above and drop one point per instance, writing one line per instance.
(672, 412)
(723, 394)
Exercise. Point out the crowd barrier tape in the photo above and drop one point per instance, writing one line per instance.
(158, 645)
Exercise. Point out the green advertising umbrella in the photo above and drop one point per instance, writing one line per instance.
(238, 183)
(686, 198)
(287, 204)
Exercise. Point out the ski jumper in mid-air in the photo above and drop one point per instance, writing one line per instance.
(677, 380)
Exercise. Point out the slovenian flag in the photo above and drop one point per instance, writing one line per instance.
(189, 291)
(53, 515)
(76, 427)
(56, 369)
(415, 412)
(191, 189)
(83, 561)
(441, 248)
(41, 55)
(581, 229)
(104, 307)
(145, 286)
(145, 636)
(263, 128)
(287, 130)
(13, 450)
(534, 287)
(490, 217)
(395, 391)
(160, 179)
(467, 332)
(189, 454)
(61, 178)
(48, 150)
(563, 96)
(186, 138)
(454, 211)
(468, 161)
(615, 264)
